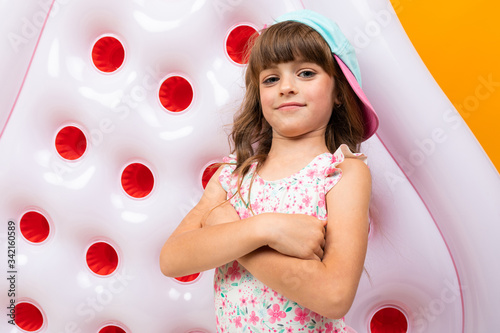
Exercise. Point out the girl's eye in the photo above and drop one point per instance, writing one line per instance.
(270, 80)
(307, 74)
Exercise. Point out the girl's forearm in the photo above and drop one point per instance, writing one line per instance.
(303, 281)
(209, 247)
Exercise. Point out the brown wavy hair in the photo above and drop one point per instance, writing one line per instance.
(280, 43)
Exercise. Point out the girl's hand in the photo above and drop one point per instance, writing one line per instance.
(296, 235)
(222, 214)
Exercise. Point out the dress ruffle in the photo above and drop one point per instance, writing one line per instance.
(332, 172)
(225, 175)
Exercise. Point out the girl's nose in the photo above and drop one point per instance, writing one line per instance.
(287, 86)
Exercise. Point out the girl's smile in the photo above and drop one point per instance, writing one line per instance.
(297, 98)
(290, 105)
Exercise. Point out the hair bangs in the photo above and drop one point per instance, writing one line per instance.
(289, 41)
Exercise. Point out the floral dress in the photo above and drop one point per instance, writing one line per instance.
(243, 303)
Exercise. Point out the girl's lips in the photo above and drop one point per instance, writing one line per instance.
(290, 105)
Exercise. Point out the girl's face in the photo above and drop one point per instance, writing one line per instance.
(297, 98)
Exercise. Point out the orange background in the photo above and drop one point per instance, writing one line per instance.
(459, 41)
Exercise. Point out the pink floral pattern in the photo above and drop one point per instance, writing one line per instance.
(302, 315)
(275, 314)
(243, 303)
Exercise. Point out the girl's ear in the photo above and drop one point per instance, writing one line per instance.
(337, 101)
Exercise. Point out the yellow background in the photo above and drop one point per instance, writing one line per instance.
(459, 42)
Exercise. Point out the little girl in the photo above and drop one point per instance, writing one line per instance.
(284, 220)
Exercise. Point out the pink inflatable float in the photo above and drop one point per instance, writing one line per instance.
(110, 114)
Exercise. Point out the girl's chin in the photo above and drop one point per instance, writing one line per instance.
(298, 134)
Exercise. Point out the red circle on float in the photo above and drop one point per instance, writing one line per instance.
(71, 143)
(34, 227)
(28, 317)
(176, 94)
(102, 258)
(188, 278)
(108, 54)
(137, 180)
(112, 329)
(389, 320)
(237, 43)
(208, 173)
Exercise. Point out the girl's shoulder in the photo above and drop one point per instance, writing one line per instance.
(332, 170)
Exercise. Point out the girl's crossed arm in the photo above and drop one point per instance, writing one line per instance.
(196, 246)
